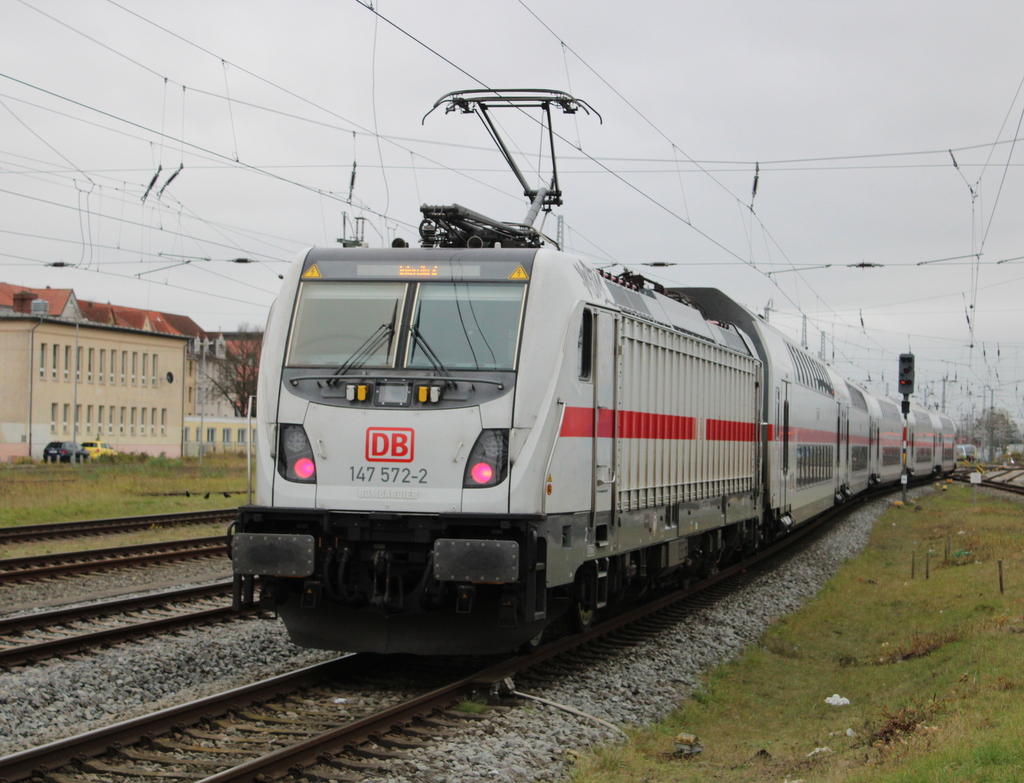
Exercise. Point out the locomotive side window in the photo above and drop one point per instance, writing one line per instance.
(466, 326)
(586, 346)
(344, 322)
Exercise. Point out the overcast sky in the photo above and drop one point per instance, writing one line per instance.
(889, 196)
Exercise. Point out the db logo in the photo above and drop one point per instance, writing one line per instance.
(389, 444)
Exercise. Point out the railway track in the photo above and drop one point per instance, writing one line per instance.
(352, 714)
(1004, 479)
(94, 527)
(21, 569)
(30, 638)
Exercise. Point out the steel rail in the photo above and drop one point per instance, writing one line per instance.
(41, 760)
(295, 759)
(91, 527)
(321, 749)
(19, 569)
(33, 652)
(1000, 485)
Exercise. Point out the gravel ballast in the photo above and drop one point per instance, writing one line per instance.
(639, 685)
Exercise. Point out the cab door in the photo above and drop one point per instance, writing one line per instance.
(603, 477)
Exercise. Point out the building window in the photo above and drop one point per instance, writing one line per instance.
(56, 351)
(67, 413)
(145, 367)
(88, 419)
(92, 352)
(42, 362)
(156, 372)
(110, 422)
(78, 417)
(53, 417)
(190, 394)
(103, 365)
(186, 432)
(121, 424)
(99, 417)
(135, 366)
(241, 437)
(163, 421)
(142, 422)
(124, 366)
(152, 422)
(67, 362)
(78, 365)
(211, 434)
(113, 364)
(131, 430)
(226, 436)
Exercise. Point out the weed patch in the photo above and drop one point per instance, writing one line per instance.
(898, 724)
(920, 645)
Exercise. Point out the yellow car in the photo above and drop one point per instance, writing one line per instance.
(97, 449)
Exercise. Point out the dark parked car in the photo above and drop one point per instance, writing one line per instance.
(64, 451)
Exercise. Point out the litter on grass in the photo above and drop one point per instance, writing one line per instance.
(836, 700)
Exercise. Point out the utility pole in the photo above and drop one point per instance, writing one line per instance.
(201, 391)
(74, 404)
(992, 424)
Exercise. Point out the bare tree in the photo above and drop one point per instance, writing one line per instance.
(998, 429)
(234, 377)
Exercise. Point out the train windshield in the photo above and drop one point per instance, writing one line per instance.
(346, 323)
(466, 326)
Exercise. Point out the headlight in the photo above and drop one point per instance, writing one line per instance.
(295, 456)
(487, 465)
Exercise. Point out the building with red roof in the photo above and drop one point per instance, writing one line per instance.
(79, 371)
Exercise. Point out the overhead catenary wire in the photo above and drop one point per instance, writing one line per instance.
(760, 239)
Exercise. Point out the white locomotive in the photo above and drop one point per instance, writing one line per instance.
(460, 443)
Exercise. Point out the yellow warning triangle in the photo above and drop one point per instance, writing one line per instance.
(314, 272)
(519, 274)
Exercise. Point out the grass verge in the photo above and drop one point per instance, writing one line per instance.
(41, 493)
(932, 669)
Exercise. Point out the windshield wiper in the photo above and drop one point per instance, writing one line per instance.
(368, 348)
(430, 353)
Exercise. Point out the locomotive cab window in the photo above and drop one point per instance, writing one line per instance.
(344, 322)
(465, 326)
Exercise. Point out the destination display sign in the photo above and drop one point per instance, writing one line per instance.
(487, 265)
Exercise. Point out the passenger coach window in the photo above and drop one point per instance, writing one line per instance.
(586, 345)
(466, 326)
(344, 322)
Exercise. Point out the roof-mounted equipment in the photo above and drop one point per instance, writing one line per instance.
(456, 226)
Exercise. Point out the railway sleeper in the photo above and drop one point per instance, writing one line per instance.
(164, 758)
(347, 762)
(400, 741)
(327, 772)
(159, 743)
(375, 751)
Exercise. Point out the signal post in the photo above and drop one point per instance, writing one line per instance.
(906, 384)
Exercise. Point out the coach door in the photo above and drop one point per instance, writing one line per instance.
(605, 424)
(784, 427)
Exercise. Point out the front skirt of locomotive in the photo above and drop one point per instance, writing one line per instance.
(425, 585)
(334, 627)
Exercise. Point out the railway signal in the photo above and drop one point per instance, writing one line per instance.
(906, 383)
(906, 376)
